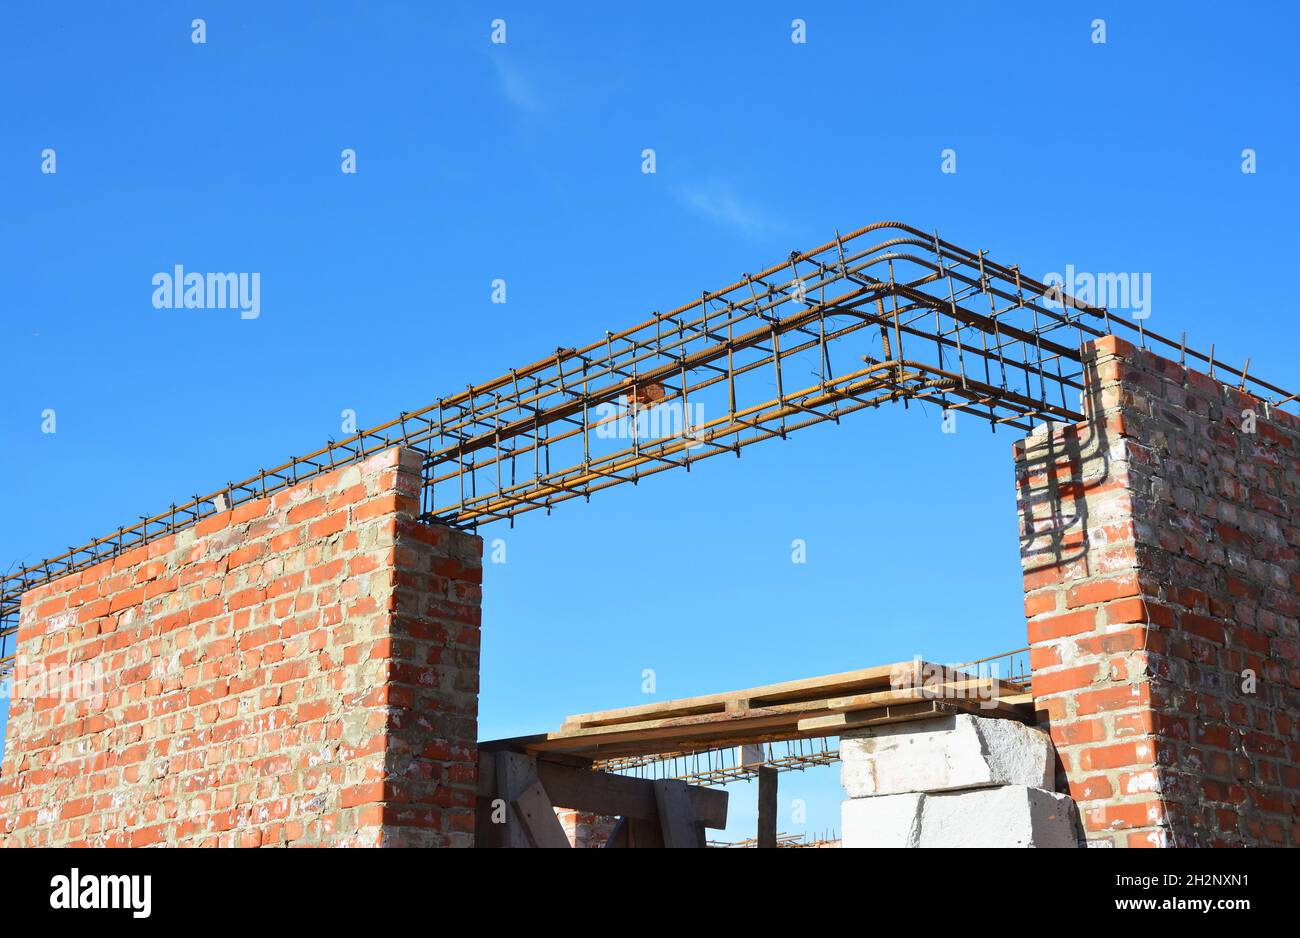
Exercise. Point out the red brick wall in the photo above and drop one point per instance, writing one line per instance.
(1159, 545)
(301, 670)
(584, 829)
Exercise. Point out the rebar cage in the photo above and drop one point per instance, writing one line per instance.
(886, 313)
(709, 767)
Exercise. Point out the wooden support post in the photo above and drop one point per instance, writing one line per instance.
(651, 813)
(530, 818)
(620, 836)
(676, 816)
(514, 771)
(767, 806)
(643, 834)
(534, 808)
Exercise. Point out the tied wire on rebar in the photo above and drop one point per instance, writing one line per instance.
(852, 324)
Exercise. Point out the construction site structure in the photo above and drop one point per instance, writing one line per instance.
(294, 658)
(908, 317)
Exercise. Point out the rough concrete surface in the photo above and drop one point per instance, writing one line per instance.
(945, 754)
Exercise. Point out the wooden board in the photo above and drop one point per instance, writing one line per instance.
(538, 815)
(621, 835)
(819, 706)
(845, 683)
(882, 678)
(767, 802)
(514, 773)
(730, 728)
(676, 819)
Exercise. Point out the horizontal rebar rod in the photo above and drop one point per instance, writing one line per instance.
(770, 354)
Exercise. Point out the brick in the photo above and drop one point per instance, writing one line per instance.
(383, 505)
(1047, 628)
(212, 524)
(1123, 816)
(1091, 788)
(307, 510)
(250, 511)
(1138, 611)
(248, 597)
(1080, 731)
(234, 688)
(1116, 756)
(126, 599)
(1055, 682)
(1044, 656)
(327, 526)
(1202, 626)
(148, 836)
(1102, 590)
(1110, 699)
(246, 555)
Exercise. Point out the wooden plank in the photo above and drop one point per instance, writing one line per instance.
(700, 728)
(487, 834)
(624, 796)
(676, 819)
(538, 814)
(512, 743)
(487, 774)
(831, 723)
(834, 723)
(514, 773)
(767, 801)
(959, 691)
(826, 685)
(717, 735)
(789, 710)
(571, 737)
(787, 691)
(700, 725)
(642, 834)
(618, 837)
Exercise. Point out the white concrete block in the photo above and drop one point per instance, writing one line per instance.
(945, 754)
(887, 821)
(1010, 816)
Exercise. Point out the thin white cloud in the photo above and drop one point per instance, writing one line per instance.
(517, 88)
(717, 202)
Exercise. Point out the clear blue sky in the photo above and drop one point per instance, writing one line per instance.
(523, 161)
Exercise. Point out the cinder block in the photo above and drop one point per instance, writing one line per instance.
(945, 754)
(1009, 816)
(888, 821)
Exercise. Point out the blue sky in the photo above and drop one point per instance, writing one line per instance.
(523, 161)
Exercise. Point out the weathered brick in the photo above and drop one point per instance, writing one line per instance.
(227, 679)
(1192, 572)
(1102, 590)
(1046, 628)
(1054, 682)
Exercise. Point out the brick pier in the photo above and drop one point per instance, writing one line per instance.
(1159, 543)
(301, 670)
